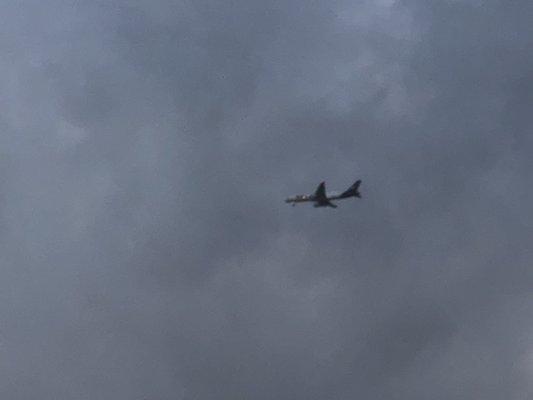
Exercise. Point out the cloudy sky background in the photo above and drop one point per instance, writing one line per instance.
(146, 148)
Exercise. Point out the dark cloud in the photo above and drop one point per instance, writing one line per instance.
(146, 150)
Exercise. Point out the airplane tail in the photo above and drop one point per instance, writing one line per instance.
(353, 191)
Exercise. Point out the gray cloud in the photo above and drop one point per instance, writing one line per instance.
(146, 150)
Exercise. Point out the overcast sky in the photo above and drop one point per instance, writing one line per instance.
(146, 149)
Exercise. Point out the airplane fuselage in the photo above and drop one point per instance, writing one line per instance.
(323, 202)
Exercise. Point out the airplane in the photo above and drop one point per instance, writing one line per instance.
(322, 200)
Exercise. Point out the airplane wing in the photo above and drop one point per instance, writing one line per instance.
(320, 192)
(330, 204)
